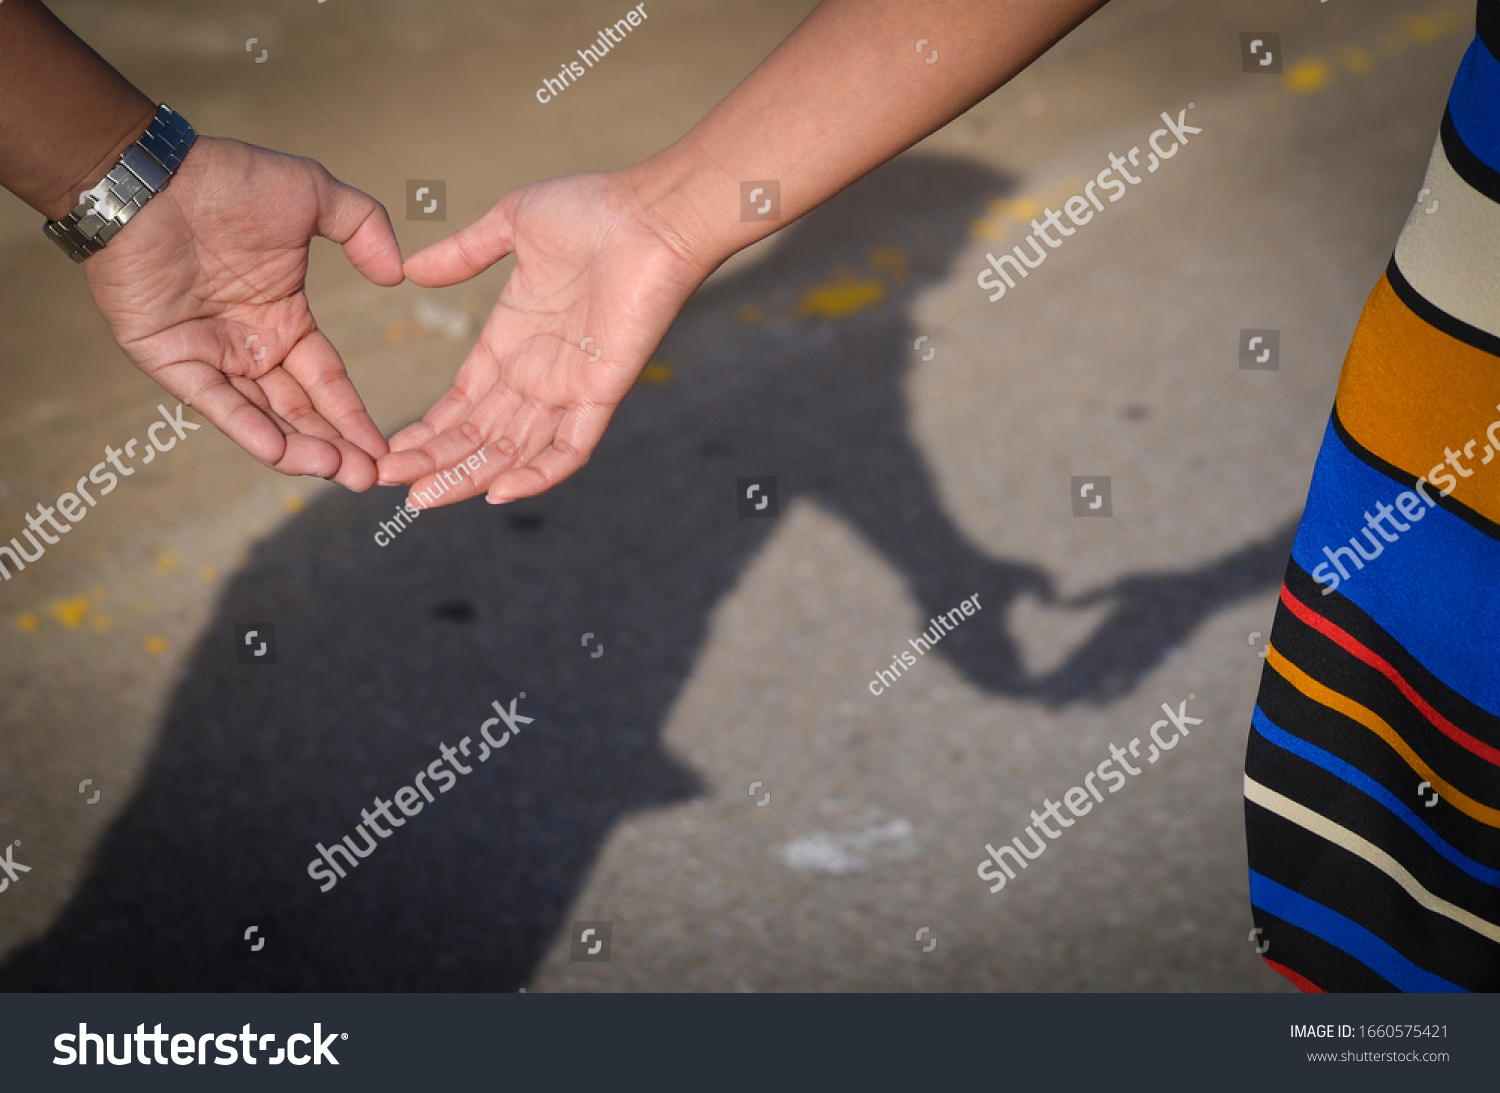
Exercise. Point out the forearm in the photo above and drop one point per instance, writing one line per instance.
(65, 114)
(845, 92)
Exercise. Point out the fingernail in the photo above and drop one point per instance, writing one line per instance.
(383, 482)
(499, 500)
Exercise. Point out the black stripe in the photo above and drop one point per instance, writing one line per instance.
(1328, 967)
(1335, 667)
(1350, 886)
(1314, 788)
(1349, 617)
(1474, 519)
(1293, 712)
(1345, 739)
(1435, 316)
(1487, 25)
(1469, 167)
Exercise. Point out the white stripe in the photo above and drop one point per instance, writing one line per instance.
(1449, 255)
(1326, 829)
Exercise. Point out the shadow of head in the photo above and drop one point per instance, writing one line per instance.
(388, 658)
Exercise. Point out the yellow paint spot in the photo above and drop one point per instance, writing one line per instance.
(1309, 76)
(156, 646)
(167, 561)
(749, 314)
(26, 622)
(1426, 28)
(293, 503)
(101, 623)
(1002, 212)
(890, 260)
(208, 574)
(656, 373)
(1361, 62)
(842, 298)
(395, 333)
(1021, 210)
(70, 612)
(989, 228)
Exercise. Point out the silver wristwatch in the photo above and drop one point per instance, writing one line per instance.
(142, 172)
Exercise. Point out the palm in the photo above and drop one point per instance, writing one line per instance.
(592, 295)
(205, 292)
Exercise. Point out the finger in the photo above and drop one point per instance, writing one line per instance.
(455, 484)
(360, 224)
(206, 390)
(314, 451)
(446, 449)
(315, 364)
(477, 394)
(454, 406)
(284, 400)
(467, 252)
(356, 469)
(577, 437)
(310, 455)
(533, 426)
(294, 453)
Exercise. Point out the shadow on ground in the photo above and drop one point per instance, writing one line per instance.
(386, 653)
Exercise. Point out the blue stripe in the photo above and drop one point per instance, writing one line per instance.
(1433, 590)
(1345, 934)
(1474, 103)
(1361, 781)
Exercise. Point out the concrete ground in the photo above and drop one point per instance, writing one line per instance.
(737, 652)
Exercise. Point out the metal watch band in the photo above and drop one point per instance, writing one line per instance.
(142, 172)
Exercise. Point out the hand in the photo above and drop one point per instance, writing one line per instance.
(205, 291)
(590, 263)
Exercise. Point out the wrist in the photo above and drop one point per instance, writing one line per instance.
(693, 207)
(143, 171)
(95, 156)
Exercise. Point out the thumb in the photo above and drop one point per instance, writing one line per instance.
(467, 252)
(359, 223)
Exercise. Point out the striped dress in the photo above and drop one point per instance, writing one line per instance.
(1372, 775)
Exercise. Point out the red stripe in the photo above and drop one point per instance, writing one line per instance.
(1352, 645)
(1301, 982)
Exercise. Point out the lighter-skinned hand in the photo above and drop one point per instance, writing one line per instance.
(594, 289)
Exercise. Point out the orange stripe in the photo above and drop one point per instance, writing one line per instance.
(1326, 696)
(1353, 645)
(1409, 392)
